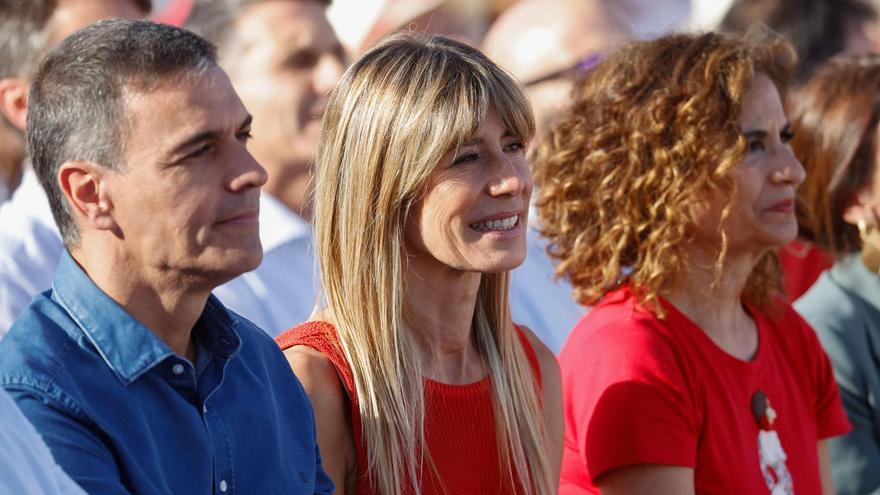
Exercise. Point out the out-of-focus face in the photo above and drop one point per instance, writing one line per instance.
(72, 15)
(473, 214)
(762, 212)
(287, 63)
(186, 197)
(863, 206)
(69, 16)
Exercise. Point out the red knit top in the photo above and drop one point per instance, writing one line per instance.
(459, 422)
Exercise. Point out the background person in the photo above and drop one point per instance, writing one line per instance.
(545, 46)
(29, 241)
(27, 465)
(835, 116)
(138, 380)
(283, 59)
(664, 194)
(415, 360)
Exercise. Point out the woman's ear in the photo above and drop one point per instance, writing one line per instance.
(860, 207)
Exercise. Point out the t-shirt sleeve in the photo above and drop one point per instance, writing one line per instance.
(831, 418)
(627, 399)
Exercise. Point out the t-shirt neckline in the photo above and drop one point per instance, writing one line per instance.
(676, 318)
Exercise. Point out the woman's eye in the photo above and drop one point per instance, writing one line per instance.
(756, 145)
(515, 147)
(786, 135)
(465, 158)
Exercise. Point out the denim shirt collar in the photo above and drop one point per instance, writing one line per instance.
(128, 347)
(851, 273)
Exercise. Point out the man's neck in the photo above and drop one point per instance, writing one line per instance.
(11, 158)
(168, 306)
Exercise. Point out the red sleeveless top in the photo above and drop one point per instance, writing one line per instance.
(459, 422)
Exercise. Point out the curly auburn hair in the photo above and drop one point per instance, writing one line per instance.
(651, 132)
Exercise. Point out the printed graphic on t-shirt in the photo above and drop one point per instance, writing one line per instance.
(773, 466)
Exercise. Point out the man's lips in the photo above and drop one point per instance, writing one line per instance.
(245, 217)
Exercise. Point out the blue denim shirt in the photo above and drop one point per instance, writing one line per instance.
(122, 413)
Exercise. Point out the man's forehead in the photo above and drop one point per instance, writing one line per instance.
(181, 105)
(282, 22)
(71, 15)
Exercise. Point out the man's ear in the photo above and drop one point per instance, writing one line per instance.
(14, 101)
(84, 185)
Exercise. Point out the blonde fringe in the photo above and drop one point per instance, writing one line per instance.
(397, 111)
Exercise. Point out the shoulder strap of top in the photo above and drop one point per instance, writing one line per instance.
(530, 355)
(321, 336)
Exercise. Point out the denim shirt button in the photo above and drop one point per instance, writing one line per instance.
(177, 369)
(223, 486)
(303, 477)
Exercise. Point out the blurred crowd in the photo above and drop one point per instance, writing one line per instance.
(440, 246)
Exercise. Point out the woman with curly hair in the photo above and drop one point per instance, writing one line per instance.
(664, 191)
(837, 118)
(420, 382)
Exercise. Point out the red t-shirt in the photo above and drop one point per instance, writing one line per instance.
(640, 390)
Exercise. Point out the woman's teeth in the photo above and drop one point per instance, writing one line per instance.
(500, 224)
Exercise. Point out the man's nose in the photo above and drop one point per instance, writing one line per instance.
(248, 173)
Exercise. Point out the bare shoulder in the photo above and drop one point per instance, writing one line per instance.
(546, 358)
(551, 398)
(330, 403)
(315, 370)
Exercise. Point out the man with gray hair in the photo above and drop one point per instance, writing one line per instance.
(138, 379)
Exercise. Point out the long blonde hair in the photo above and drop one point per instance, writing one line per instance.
(395, 113)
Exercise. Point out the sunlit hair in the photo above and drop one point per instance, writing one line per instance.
(835, 117)
(651, 133)
(394, 115)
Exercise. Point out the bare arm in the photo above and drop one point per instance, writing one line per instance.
(552, 400)
(825, 469)
(647, 479)
(321, 383)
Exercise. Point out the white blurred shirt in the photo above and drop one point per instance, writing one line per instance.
(30, 247)
(26, 465)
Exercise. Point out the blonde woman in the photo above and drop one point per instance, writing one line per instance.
(419, 380)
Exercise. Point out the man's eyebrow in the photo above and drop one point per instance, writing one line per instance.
(207, 135)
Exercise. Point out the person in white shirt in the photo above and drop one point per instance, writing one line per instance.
(30, 245)
(545, 44)
(26, 465)
(283, 59)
